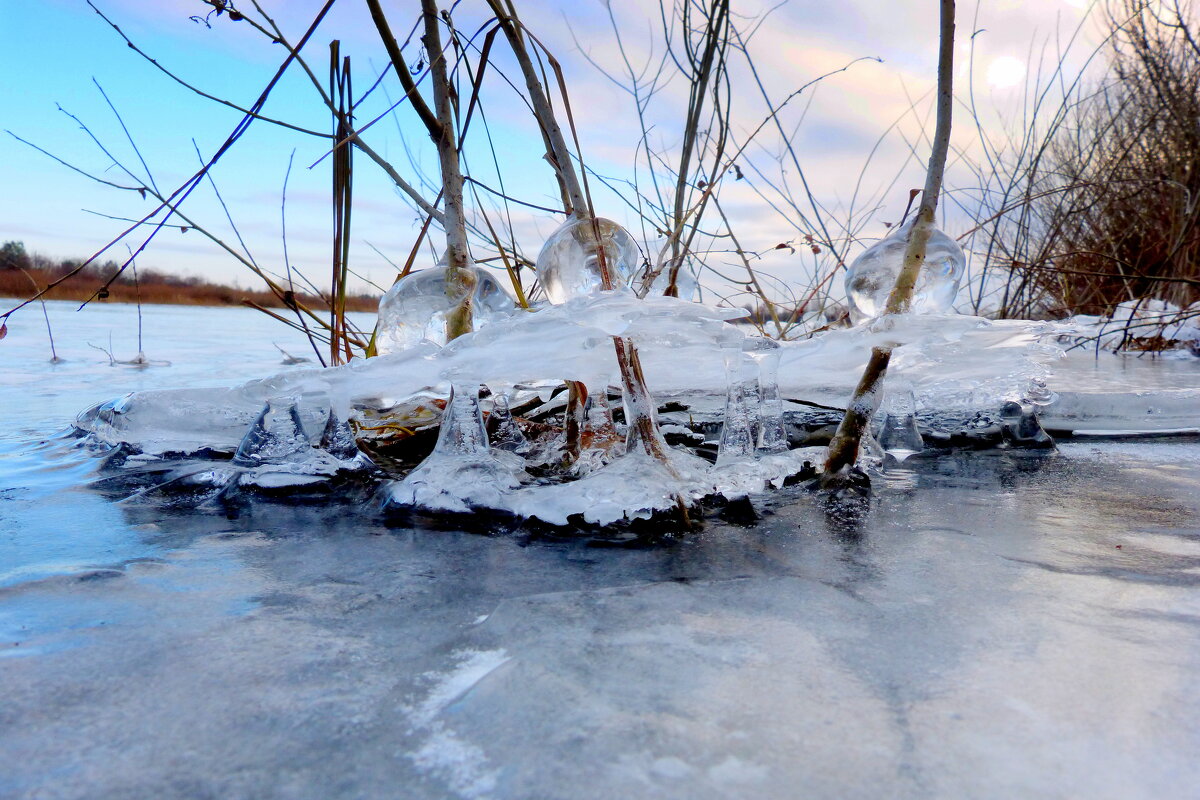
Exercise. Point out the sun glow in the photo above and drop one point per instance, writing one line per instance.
(1005, 72)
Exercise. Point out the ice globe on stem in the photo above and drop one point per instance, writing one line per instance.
(417, 306)
(872, 275)
(568, 265)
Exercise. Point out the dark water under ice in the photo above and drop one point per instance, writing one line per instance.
(993, 626)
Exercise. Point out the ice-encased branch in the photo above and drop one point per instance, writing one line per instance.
(843, 449)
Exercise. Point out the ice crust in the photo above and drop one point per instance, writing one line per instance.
(949, 361)
(1142, 319)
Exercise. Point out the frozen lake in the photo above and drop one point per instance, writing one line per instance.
(995, 626)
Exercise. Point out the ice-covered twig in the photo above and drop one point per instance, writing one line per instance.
(843, 449)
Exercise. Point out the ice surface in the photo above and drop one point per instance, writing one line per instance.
(415, 308)
(994, 627)
(568, 265)
(1155, 320)
(1101, 392)
(872, 275)
(975, 637)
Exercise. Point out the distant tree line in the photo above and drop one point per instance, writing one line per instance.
(23, 273)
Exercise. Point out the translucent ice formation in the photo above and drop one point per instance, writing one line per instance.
(337, 439)
(276, 437)
(898, 434)
(568, 265)
(870, 279)
(737, 431)
(417, 305)
(772, 435)
(463, 472)
(952, 362)
(600, 441)
(506, 435)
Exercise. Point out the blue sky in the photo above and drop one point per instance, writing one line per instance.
(52, 50)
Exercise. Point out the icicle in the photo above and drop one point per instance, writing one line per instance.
(462, 473)
(337, 439)
(276, 436)
(462, 432)
(601, 441)
(506, 434)
(574, 419)
(600, 425)
(737, 436)
(641, 415)
(772, 435)
(898, 434)
(870, 453)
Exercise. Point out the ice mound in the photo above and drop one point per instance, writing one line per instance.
(283, 428)
(1142, 325)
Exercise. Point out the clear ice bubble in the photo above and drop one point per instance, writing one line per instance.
(870, 279)
(569, 266)
(275, 437)
(417, 305)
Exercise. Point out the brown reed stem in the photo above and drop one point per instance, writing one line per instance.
(844, 447)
